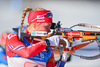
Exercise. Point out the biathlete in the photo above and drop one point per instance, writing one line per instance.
(33, 53)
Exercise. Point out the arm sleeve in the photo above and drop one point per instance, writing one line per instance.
(60, 64)
(51, 61)
(15, 46)
(50, 64)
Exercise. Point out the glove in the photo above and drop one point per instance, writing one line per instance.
(64, 56)
(53, 41)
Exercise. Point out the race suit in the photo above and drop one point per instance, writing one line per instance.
(29, 53)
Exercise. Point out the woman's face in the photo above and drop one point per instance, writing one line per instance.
(44, 27)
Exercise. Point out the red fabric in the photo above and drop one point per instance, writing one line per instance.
(13, 43)
(50, 64)
(52, 56)
(39, 16)
(25, 52)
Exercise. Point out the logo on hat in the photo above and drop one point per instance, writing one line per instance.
(40, 17)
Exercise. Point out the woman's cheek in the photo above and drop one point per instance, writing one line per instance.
(42, 29)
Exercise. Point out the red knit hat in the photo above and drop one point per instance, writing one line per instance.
(44, 16)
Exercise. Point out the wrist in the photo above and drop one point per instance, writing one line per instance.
(64, 56)
(47, 42)
(63, 60)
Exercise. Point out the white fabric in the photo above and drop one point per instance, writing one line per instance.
(54, 40)
(2, 65)
(20, 62)
(64, 56)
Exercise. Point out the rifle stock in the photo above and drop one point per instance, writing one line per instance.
(87, 38)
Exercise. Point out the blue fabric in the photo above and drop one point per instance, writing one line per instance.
(61, 64)
(43, 56)
(47, 42)
(2, 52)
(19, 28)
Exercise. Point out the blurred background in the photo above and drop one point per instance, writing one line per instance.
(69, 12)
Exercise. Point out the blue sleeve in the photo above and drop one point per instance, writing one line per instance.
(19, 28)
(2, 57)
(60, 64)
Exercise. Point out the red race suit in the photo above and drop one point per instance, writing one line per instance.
(28, 53)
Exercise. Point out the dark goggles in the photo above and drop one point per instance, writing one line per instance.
(48, 14)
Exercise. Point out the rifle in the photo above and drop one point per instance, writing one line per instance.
(69, 34)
